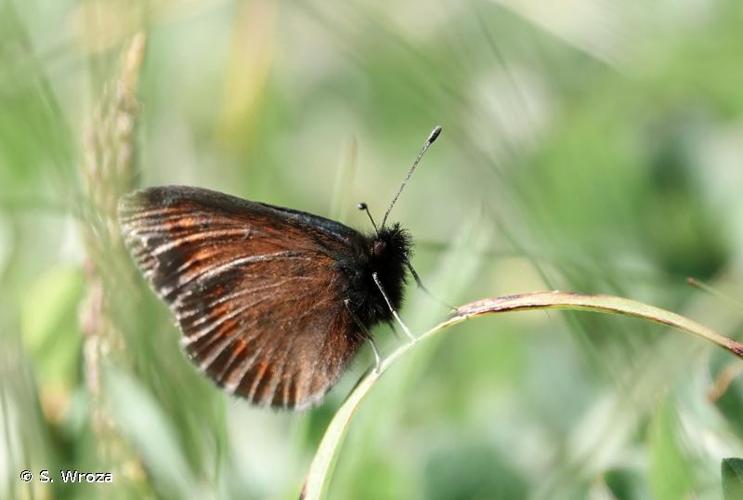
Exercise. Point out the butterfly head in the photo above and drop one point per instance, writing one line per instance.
(391, 245)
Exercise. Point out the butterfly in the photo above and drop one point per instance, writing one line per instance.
(272, 302)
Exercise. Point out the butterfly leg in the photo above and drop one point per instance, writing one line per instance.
(367, 336)
(418, 282)
(392, 309)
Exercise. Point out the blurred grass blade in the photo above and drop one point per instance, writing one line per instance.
(670, 471)
(344, 179)
(732, 478)
(51, 337)
(331, 441)
(143, 421)
(596, 303)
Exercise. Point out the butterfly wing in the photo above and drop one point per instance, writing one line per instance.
(257, 290)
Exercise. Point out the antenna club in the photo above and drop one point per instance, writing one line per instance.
(432, 137)
(435, 134)
(364, 207)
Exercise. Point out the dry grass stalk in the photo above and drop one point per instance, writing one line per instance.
(108, 172)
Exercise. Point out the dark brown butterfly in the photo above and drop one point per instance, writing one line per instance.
(272, 302)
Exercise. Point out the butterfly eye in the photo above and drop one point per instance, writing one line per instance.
(378, 248)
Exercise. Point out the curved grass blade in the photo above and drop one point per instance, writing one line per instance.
(323, 460)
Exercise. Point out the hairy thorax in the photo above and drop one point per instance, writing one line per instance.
(386, 254)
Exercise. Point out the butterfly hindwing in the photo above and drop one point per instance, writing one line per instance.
(257, 290)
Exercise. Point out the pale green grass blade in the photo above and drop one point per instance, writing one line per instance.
(322, 462)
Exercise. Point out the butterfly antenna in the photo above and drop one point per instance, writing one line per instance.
(363, 206)
(431, 138)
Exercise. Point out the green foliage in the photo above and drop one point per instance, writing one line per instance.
(594, 149)
(732, 478)
(671, 475)
(49, 326)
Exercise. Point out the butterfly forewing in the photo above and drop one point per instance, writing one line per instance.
(256, 289)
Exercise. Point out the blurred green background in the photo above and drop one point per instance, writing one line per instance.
(588, 146)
